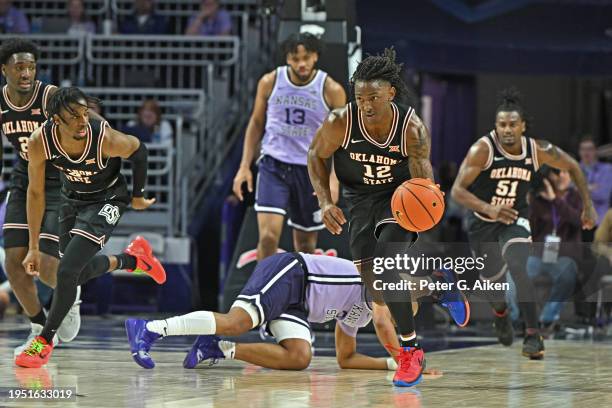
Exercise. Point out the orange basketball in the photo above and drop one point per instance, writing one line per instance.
(417, 205)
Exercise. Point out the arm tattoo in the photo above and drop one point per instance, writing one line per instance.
(555, 152)
(422, 136)
(418, 153)
(549, 148)
(420, 168)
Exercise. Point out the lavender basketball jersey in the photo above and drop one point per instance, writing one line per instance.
(335, 291)
(293, 116)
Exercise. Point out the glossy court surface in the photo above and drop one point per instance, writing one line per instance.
(482, 374)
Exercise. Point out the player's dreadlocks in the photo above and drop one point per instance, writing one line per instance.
(17, 46)
(66, 96)
(383, 67)
(510, 100)
(310, 42)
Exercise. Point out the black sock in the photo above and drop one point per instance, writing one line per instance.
(126, 261)
(40, 318)
(48, 335)
(409, 343)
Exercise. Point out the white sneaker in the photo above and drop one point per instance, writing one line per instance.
(71, 324)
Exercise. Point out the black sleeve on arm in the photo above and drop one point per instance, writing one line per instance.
(139, 170)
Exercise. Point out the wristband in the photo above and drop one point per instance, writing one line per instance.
(139, 170)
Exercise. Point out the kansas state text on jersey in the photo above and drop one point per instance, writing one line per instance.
(293, 115)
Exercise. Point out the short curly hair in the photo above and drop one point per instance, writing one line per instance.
(310, 42)
(16, 46)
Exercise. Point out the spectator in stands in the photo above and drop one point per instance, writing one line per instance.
(212, 20)
(149, 126)
(144, 20)
(554, 214)
(12, 20)
(79, 23)
(598, 175)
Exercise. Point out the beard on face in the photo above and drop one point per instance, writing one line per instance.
(303, 77)
(23, 91)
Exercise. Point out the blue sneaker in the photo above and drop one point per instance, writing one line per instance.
(204, 348)
(141, 341)
(454, 300)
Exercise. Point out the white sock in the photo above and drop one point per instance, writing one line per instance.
(195, 323)
(158, 326)
(228, 348)
(403, 338)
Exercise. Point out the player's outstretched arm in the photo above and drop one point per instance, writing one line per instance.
(327, 140)
(554, 156)
(418, 144)
(254, 132)
(35, 205)
(348, 357)
(472, 166)
(117, 144)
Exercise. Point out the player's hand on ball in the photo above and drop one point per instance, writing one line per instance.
(502, 213)
(244, 174)
(31, 263)
(141, 203)
(333, 218)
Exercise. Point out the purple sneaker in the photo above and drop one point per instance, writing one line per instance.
(141, 341)
(204, 348)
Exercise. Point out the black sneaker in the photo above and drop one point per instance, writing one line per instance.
(533, 347)
(503, 329)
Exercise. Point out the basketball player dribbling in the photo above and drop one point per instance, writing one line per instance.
(376, 145)
(291, 103)
(493, 182)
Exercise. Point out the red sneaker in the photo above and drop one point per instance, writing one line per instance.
(36, 355)
(410, 365)
(145, 261)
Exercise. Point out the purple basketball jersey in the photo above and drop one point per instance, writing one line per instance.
(335, 291)
(293, 116)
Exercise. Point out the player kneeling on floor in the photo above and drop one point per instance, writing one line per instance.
(285, 293)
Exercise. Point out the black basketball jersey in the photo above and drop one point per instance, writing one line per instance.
(362, 164)
(18, 123)
(89, 173)
(506, 178)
